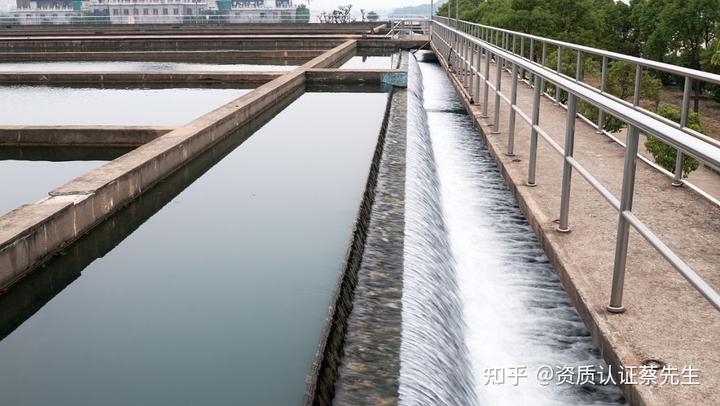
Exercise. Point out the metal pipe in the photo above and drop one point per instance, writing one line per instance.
(603, 84)
(579, 67)
(567, 168)
(623, 233)
(559, 71)
(486, 88)
(457, 12)
(638, 85)
(679, 158)
(533, 132)
(478, 77)
(498, 84)
(511, 120)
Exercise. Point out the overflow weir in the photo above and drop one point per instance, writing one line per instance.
(338, 232)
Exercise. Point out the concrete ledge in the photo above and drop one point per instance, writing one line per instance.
(79, 136)
(280, 57)
(190, 29)
(135, 78)
(371, 76)
(171, 43)
(314, 76)
(369, 44)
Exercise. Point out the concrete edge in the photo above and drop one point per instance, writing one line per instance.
(321, 378)
(218, 56)
(612, 347)
(79, 136)
(393, 77)
(313, 76)
(135, 78)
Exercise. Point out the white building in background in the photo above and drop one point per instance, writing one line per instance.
(49, 15)
(45, 11)
(147, 11)
(152, 11)
(258, 11)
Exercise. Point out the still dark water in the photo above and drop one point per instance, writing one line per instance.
(29, 181)
(368, 62)
(218, 298)
(42, 105)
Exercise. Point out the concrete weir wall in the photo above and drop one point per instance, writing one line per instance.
(31, 233)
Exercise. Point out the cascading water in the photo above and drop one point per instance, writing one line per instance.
(480, 295)
(434, 364)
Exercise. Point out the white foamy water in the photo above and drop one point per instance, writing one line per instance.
(512, 310)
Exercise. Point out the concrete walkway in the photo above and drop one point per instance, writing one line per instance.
(666, 319)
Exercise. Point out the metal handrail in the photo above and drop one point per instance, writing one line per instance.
(648, 63)
(486, 32)
(465, 54)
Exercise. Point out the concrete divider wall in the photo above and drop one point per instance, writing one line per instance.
(168, 43)
(216, 56)
(79, 136)
(313, 76)
(190, 29)
(134, 78)
(32, 232)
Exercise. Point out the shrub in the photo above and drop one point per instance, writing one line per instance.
(664, 154)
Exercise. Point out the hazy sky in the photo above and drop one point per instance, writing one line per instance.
(321, 5)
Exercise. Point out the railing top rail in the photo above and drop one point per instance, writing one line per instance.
(647, 63)
(673, 136)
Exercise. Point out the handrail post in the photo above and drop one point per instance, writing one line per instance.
(511, 121)
(567, 168)
(486, 82)
(533, 132)
(478, 78)
(677, 179)
(638, 86)
(603, 85)
(559, 71)
(468, 65)
(623, 234)
(498, 85)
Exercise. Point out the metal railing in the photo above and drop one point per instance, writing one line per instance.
(536, 49)
(408, 27)
(471, 58)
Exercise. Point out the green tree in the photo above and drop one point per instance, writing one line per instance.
(302, 14)
(664, 154)
(373, 16)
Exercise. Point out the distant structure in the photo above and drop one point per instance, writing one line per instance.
(146, 11)
(46, 11)
(153, 11)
